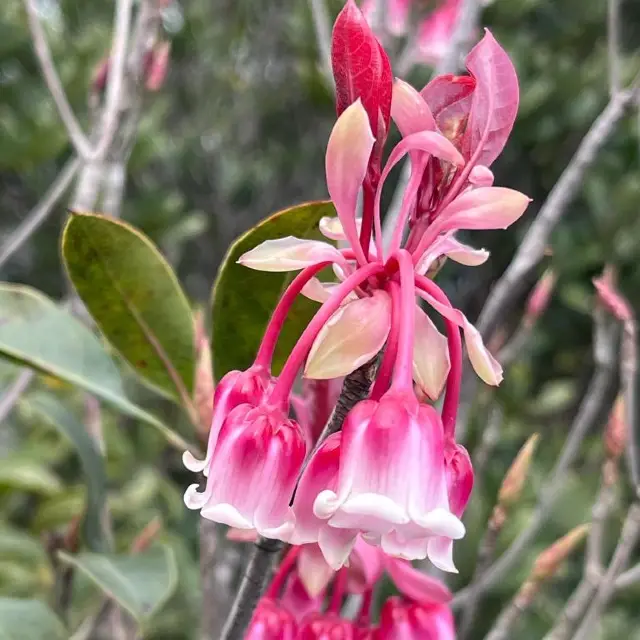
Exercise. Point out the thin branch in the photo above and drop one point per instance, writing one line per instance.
(589, 411)
(486, 554)
(116, 77)
(322, 26)
(253, 585)
(39, 213)
(628, 374)
(502, 629)
(613, 46)
(534, 243)
(52, 79)
(581, 598)
(629, 578)
(12, 394)
(625, 547)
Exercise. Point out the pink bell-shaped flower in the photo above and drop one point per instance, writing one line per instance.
(253, 471)
(271, 622)
(235, 388)
(320, 474)
(391, 482)
(412, 621)
(326, 626)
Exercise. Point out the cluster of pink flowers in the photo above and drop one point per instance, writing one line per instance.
(305, 597)
(394, 476)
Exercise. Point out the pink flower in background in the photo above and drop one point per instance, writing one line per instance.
(434, 29)
(412, 621)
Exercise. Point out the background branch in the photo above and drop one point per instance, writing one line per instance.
(590, 410)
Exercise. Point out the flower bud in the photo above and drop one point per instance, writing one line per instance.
(539, 299)
(615, 435)
(514, 479)
(549, 561)
(203, 382)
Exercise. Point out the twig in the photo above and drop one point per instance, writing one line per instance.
(251, 589)
(628, 371)
(52, 80)
(39, 213)
(514, 348)
(581, 598)
(116, 77)
(629, 578)
(590, 408)
(11, 396)
(485, 557)
(322, 27)
(613, 46)
(532, 247)
(624, 549)
(514, 610)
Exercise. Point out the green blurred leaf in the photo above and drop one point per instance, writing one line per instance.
(92, 464)
(21, 474)
(36, 332)
(135, 299)
(29, 620)
(141, 583)
(246, 298)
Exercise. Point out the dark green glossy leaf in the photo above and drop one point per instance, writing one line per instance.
(243, 299)
(134, 297)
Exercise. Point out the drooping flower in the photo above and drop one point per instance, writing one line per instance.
(391, 483)
(412, 621)
(235, 388)
(271, 622)
(257, 447)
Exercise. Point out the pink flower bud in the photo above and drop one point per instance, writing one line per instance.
(540, 296)
(253, 471)
(156, 70)
(410, 621)
(271, 622)
(100, 75)
(549, 561)
(615, 436)
(361, 69)
(515, 478)
(610, 297)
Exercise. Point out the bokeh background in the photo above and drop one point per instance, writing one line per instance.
(237, 131)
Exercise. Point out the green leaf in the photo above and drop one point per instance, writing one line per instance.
(92, 463)
(135, 299)
(21, 474)
(36, 332)
(29, 620)
(245, 299)
(140, 583)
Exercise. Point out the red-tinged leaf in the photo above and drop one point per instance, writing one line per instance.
(361, 69)
(449, 98)
(494, 103)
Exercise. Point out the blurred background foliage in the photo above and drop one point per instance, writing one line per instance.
(238, 131)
